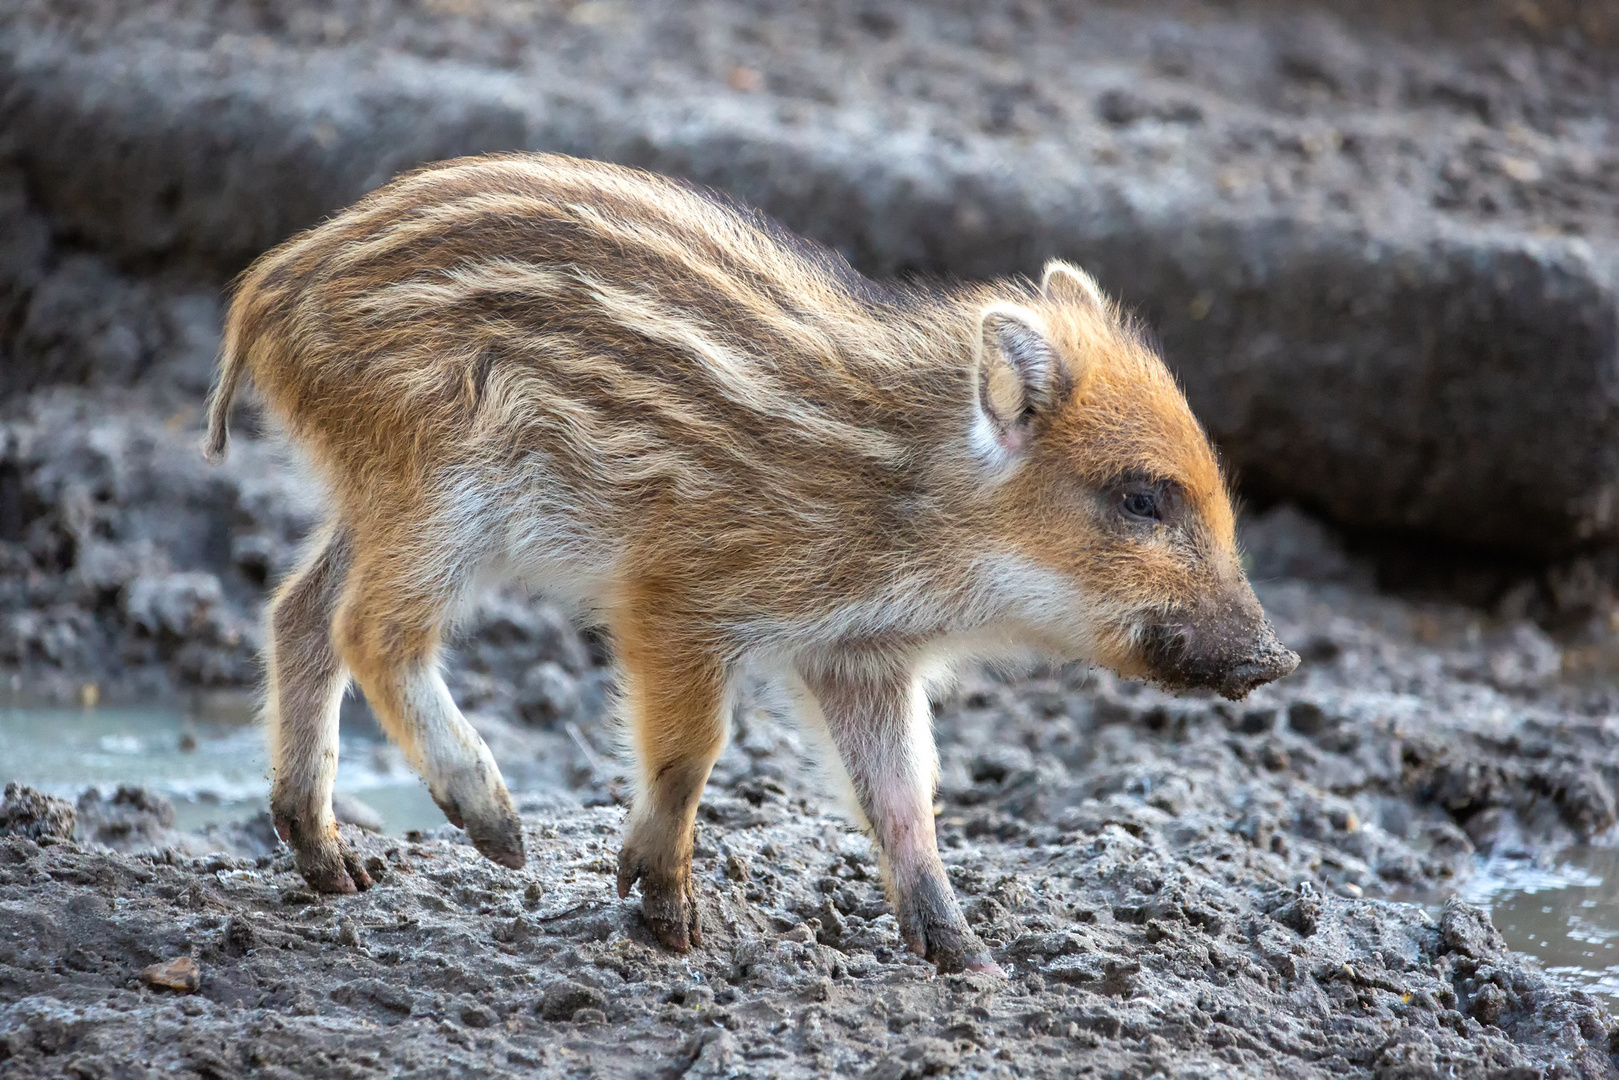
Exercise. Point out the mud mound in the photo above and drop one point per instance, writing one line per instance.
(27, 813)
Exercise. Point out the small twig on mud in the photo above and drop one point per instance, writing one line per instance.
(576, 909)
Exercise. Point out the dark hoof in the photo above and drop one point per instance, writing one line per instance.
(953, 953)
(931, 923)
(452, 810)
(498, 835)
(668, 905)
(324, 860)
(672, 919)
(334, 869)
(502, 844)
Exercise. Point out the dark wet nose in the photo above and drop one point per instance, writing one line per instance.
(1230, 656)
(1269, 663)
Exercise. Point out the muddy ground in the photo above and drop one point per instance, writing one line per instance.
(1178, 886)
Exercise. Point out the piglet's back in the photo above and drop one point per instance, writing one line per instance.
(646, 338)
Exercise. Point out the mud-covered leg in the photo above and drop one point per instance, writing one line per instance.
(675, 698)
(877, 716)
(306, 687)
(388, 633)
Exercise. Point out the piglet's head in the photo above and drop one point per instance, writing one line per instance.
(1109, 504)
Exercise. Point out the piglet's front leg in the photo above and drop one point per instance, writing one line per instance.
(877, 716)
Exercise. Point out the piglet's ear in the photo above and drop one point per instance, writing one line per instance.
(1019, 374)
(1065, 283)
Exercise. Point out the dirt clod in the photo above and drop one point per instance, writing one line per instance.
(564, 999)
(1467, 930)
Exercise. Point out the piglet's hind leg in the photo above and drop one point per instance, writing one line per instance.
(878, 720)
(306, 686)
(389, 636)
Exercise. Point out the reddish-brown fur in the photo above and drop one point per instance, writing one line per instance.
(731, 450)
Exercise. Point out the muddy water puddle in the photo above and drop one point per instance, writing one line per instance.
(1563, 910)
(212, 770)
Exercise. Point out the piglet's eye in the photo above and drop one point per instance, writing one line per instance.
(1140, 504)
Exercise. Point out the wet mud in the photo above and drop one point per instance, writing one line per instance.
(1177, 886)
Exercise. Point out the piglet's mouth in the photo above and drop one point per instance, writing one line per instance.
(1232, 660)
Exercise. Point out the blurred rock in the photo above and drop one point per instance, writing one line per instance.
(178, 605)
(352, 811)
(548, 695)
(131, 820)
(83, 321)
(119, 552)
(1282, 542)
(39, 817)
(507, 633)
(1527, 657)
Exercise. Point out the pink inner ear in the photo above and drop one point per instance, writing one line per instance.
(1013, 438)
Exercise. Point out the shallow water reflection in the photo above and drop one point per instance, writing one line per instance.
(212, 771)
(1563, 910)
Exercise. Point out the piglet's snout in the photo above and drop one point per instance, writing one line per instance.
(1230, 652)
(1267, 660)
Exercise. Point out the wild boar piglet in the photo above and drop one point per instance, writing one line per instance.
(731, 451)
